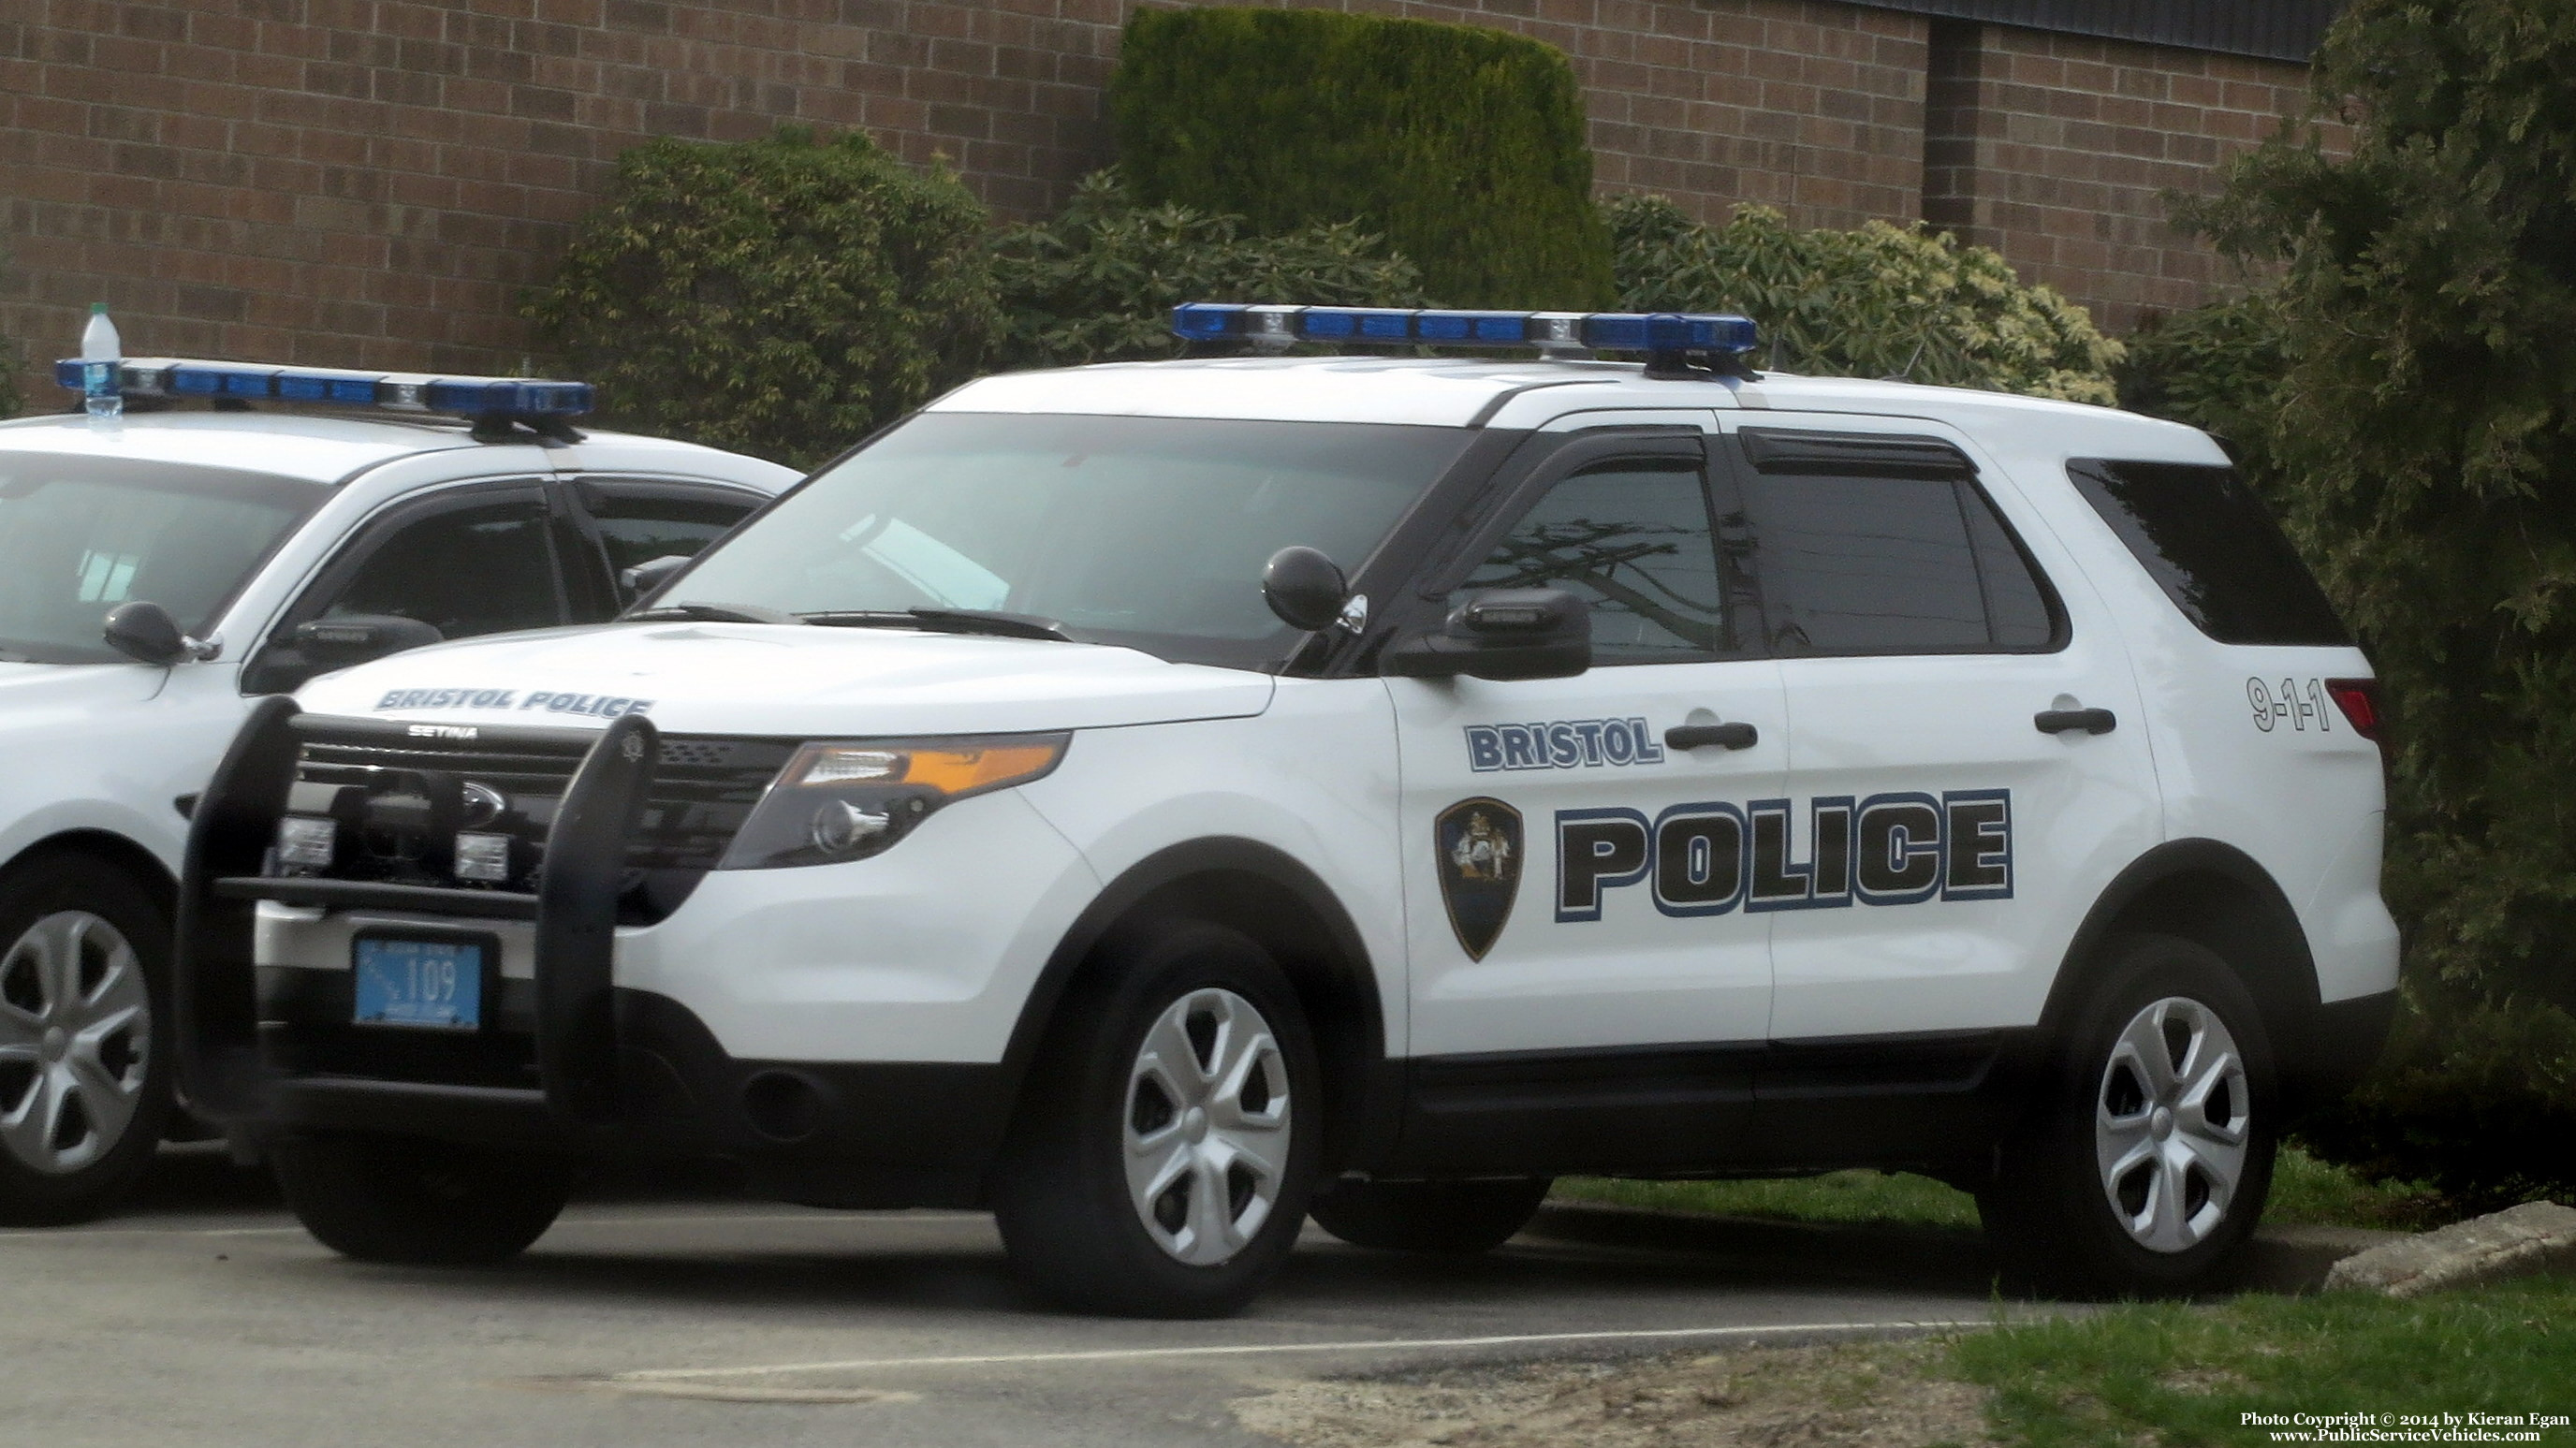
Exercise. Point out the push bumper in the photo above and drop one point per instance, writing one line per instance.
(570, 1060)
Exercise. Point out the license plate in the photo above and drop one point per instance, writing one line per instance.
(430, 984)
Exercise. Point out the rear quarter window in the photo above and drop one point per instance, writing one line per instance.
(2209, 544)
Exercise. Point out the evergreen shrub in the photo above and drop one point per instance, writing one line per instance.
(1099, 281)
(1882, 301)
(784, 296)
(2406, 397)
(2217, 367)
(1463, 147)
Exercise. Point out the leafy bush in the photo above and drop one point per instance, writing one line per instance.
(1463, 147)
(2476, 1096)
(1098, 283)
(1878, 302)
(2412, 414)
(784, 296)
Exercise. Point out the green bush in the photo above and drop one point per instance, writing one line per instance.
(2476, 1096)
(1098, 283)
(1463, 147)
(784, 296)
(2406, 396)
(1883, 301)
(2218, 368)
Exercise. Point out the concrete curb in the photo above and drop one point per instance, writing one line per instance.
(2523, 1241)
(2287, 1260)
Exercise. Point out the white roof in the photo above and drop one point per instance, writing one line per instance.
(1461, 393)
(1432, 392)
(318, 447)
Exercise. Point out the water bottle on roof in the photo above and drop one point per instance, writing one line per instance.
(102, 362)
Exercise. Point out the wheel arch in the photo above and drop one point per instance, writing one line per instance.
(109, 848)
(2215, 895)
(1287, 907)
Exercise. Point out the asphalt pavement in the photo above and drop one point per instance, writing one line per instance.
(204, 1316)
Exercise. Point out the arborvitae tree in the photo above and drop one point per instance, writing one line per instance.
(1463, 147)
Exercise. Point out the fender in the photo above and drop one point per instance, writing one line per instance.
(2265, 935)
(1369, 1113)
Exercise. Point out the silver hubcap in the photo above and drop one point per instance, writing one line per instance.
(75, 1038)
(2169, 1124)
(1207, 1127)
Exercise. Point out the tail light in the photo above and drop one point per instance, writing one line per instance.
(2359, 700)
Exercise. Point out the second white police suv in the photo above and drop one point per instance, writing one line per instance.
(1162, 802)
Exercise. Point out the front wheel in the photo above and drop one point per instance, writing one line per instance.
(1452, 1217)
(2147, 1167)
(430, 1203)
(84, 1086)
(1160, 1165)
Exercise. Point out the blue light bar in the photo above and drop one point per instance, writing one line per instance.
(393, 391)
(1552, 331)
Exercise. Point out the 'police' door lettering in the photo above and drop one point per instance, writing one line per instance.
(1712, 857)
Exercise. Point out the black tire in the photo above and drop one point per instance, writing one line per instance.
(425, 1203)
(93, 1059)
(1063, 1198)
(2057, 1213)
(1453, 1217)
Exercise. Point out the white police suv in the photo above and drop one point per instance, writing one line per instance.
(159, 573)
(1161, 802)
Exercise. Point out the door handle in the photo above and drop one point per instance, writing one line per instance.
(2091, 721)
(1692, 736)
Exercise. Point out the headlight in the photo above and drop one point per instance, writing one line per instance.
(847, 800)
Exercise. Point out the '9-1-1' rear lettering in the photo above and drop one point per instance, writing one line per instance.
(1713, 857)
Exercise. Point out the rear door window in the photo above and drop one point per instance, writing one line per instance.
(1874, 544)
(2209, 544)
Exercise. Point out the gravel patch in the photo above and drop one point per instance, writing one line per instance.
(1837, 1395)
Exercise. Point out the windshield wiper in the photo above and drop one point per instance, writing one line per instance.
(709, 613)
(947, 620)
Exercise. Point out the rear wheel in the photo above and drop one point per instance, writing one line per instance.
(1457, 1217)
(1160, 1166)
(84, 1087)
(401, 1199)
(2149, 1164)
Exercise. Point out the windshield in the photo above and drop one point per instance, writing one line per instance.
(1138, 530)
(78, 536)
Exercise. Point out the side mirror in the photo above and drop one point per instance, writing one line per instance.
(1502, 633)
(649, 575)
(1305, 588)
(336, 643)
(146, 633)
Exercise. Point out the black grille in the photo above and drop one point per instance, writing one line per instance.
(400, 802)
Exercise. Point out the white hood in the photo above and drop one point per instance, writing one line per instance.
(45, 698)
(785, 680)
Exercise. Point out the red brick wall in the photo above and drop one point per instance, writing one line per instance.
(373, 182)
(2055, 150)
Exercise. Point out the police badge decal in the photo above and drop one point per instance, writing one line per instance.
(1479, 842)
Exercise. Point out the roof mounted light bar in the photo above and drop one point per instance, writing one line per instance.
(1667, 338)
(531, 400)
